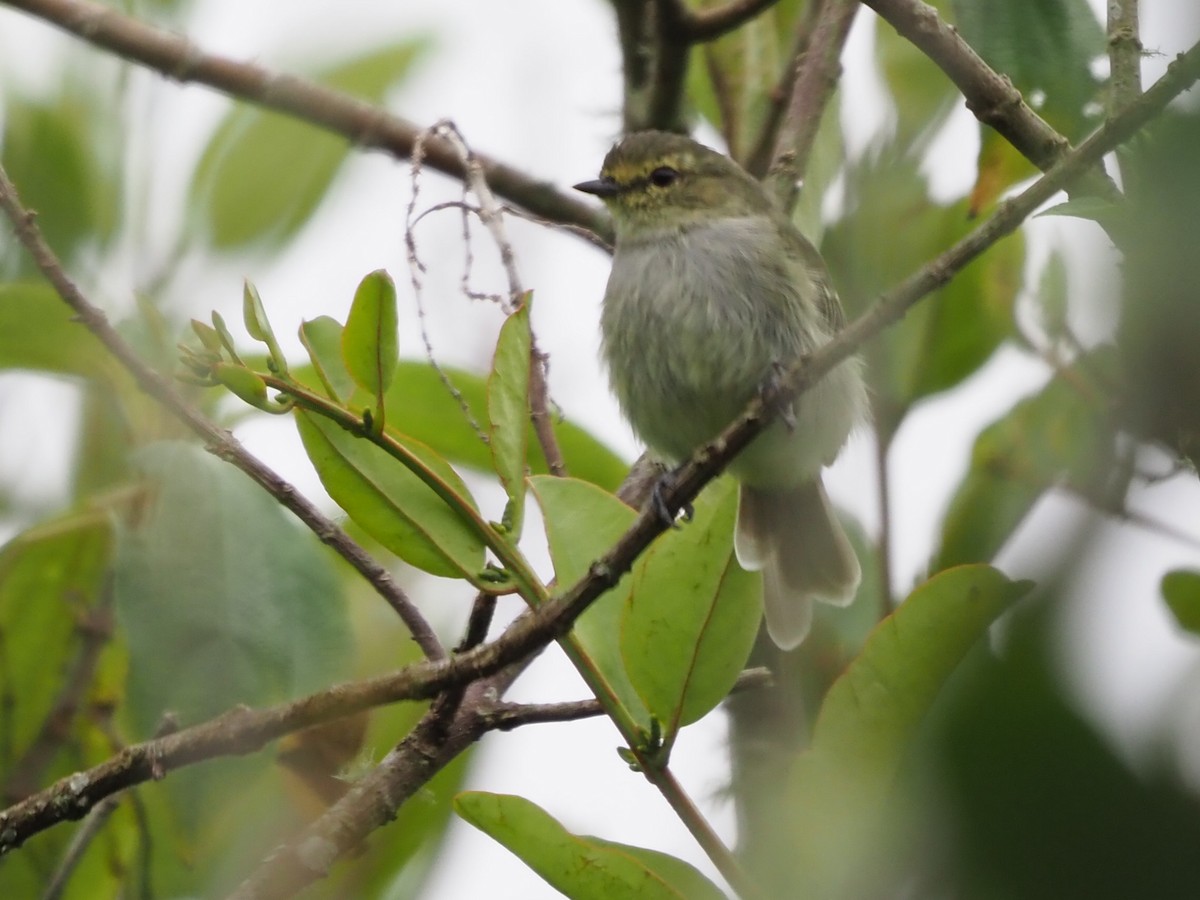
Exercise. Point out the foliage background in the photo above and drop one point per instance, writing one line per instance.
(1114, 656)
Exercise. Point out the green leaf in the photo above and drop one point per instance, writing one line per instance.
(581, 867)
(370, 340)
(1096, 209)
(421, 405)
(322, 338)
(391, 503)
(221, 597)
(56, 154)
(951, 334)
(1052, 296)
(244, 383)
(264, 173)
(38, 331)
(1046, 48)
(582, 523)
(922, 96)
(259, 326)
(1061, 431)
(508, 408)
(1181, 590)
(839, 788)
(692, 615)
(49, 575)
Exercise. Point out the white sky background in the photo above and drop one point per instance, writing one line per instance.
(537, 83)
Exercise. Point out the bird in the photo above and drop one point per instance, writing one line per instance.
(712, 292)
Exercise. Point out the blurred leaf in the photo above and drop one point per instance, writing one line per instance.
(1097, 209)
(1063, 431)
(1033, 802)
(264, 173)
(582, 523)
(39, 332)
(421, 405)
(999, 166)
(54, 154)
(371, 340)
(692, 615)
(950, 335)
(581, 867)
(221, 598)
(508, 409)
(1052, 296)
(322, 338)
(49, 576)
(1046, 47)
(840, 787)
(1181, 590)
(922, 96)
(391, 503)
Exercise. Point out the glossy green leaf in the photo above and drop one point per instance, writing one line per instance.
(38, 331)
(581, 867)
(839, 788)
(222, 598)
(1062, 431)
(582, 523)
(420, 404)
(391, 503)
(1181, 589)
(264, 173)
(371, 338)
(508, 407)
(692, 615)
(322, 338)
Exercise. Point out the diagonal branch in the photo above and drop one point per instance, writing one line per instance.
(364, 124)
(990, 96)
(816, 77)
(702, 25)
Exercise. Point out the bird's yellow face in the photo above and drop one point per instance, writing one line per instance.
(654, 181)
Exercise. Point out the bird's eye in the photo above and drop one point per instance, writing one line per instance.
(663, 176)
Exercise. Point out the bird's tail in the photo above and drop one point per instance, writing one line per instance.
(793, 536)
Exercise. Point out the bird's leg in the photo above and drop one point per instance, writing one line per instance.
(658, 502)
(770, 390)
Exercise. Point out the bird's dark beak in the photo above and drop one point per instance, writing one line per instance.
(601, 187)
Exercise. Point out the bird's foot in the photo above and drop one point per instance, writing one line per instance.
(658, 501)
(771, 393)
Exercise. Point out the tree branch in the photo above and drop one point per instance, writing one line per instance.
(217, 440)
(816, 78)
(990, 96)
(365, 125)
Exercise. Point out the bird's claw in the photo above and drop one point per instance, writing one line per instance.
(659, 503)
(770, 390)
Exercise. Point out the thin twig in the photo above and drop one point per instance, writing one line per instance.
(364, 124)
(93, 822)
(816, 77)
(508, 716)
(1125, 69)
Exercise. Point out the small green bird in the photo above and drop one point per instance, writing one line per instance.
(712, 289)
